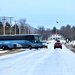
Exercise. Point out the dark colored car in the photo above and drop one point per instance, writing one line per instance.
(57, 45)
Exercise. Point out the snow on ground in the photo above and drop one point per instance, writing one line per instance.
(39, 62)
(1, 51)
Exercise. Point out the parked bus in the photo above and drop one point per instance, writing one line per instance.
(21, 41)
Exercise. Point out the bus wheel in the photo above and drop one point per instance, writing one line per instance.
(36, 48)
(15, 46)
(46, 47)
(30, 47)
(4, 47)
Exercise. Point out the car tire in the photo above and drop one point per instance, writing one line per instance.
(54, 48)
(61, 47)
(36, 48)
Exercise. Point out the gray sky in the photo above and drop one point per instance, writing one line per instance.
(40, 12)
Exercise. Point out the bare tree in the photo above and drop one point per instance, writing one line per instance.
(1, 28)
(7, 28)
(44, 33)
(22, 25)
(15, 29)
(67, 32)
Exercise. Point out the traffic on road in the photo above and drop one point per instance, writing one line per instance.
(39, 62)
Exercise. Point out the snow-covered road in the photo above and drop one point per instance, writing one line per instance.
(39, 62)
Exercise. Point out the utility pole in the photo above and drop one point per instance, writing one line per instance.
(28, 28)
(10, 24)
(3, 18)
(15, 27)
(19, 29)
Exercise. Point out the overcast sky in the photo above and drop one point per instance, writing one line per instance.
(40, 12)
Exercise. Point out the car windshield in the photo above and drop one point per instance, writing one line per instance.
(57, 43)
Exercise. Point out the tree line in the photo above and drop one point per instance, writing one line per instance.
(67, 32)
(22, 27)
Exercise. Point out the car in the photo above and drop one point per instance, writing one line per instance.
(57, 45)
(44, 45)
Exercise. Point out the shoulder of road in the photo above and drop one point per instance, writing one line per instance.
(11, 52)
(71, 47)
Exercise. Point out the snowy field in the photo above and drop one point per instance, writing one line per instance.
(39, 62)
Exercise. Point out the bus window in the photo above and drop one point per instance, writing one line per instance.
(30, 38)
(38, 39)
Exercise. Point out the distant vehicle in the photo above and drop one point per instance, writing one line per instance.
(57, 45)
(21, 41)
(45, 44)
(58, 40)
